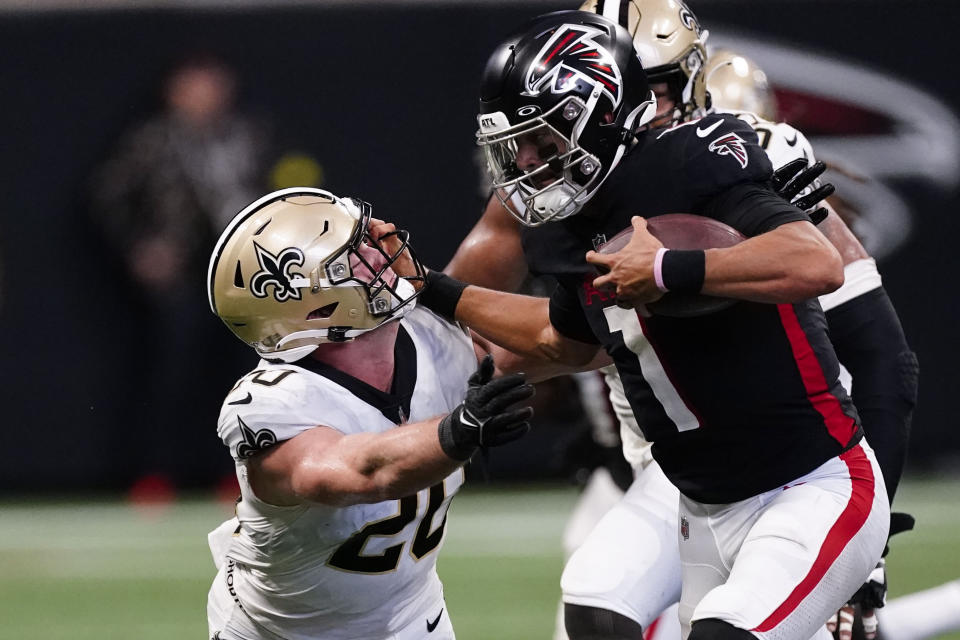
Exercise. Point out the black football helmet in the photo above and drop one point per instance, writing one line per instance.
(559, 104)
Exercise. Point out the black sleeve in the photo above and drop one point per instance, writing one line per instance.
(870, 343)
(567, 317)
(752, 208)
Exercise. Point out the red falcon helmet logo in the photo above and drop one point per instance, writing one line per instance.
(730, 144)
(571, 54)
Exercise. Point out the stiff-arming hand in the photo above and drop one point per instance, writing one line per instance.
(396, 242)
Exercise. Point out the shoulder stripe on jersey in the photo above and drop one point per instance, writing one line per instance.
(841, 426)
(850, 521)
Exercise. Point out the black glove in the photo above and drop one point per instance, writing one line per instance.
(794, 177)
(899, 522)
(483, 419)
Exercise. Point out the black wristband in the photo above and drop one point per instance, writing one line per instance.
(683, 270)
(448, 439)
(441, 294)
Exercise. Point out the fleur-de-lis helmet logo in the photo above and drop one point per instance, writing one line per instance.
(689, 20)
(275, 270)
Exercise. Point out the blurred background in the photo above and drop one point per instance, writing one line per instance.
(134, 130)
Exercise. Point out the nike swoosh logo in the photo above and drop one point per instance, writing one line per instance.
(793, 142)
(243, 400)
(433, 625)
(703, 133)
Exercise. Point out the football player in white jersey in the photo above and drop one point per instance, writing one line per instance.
(627, 570)
(350, 435)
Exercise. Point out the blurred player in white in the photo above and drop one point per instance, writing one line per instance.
(350, 435)
(924, 614)
(627, 570)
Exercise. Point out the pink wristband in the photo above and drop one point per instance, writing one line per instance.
(658, 269)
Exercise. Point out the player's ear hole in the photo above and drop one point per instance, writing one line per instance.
(323, 312)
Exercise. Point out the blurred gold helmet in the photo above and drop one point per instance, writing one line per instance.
(736, 83)
(670, 42)
(297, 268)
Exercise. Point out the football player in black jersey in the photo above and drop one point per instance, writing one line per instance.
(865, 329)
(744, 407)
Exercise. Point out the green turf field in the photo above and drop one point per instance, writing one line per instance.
(100, 570)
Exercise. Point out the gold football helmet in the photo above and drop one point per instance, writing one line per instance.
(298, 268)
(670, 42)
(736, 83)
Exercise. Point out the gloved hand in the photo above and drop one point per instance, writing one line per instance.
(795, 176)
(483, 420)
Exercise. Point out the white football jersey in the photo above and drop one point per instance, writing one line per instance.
(363, 571)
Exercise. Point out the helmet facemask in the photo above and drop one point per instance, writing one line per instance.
(351, 267)
(561, 174)
(685, 88)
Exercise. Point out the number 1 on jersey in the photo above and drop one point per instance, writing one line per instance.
(627, 322)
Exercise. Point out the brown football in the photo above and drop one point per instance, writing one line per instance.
(683, 231)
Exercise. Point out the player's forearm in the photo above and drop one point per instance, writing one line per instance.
(517, 323)
(538, 369)
(366, 468)
(841, 237)
(405, 460)
(793, 262)
(870, 343)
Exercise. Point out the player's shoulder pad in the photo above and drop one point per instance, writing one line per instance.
(782, 142)
(447, 344)
(271, 404)
(786, 144)
(424, 321)
(716, 152)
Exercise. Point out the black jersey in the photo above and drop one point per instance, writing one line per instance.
(737, 402)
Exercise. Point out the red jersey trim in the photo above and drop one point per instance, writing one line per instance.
(851, 519)
(651, 631)
(841, 426)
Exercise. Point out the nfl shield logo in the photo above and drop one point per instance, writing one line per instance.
(684, 528)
